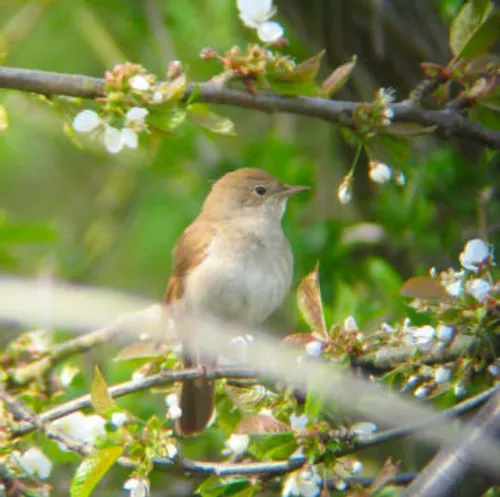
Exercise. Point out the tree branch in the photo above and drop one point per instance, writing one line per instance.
(448, 123)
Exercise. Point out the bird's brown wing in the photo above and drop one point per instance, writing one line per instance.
(197, 397)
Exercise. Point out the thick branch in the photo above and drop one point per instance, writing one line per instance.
(447, 122)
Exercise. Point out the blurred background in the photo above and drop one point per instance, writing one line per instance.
(81, 215)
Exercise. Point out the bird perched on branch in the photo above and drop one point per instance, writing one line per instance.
(233, 262)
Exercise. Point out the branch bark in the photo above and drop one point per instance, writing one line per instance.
(448, 123)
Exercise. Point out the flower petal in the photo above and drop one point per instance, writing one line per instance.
(270, 31)
(86, 121)
(113, 140)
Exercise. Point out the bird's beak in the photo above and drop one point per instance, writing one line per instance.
(289, 190)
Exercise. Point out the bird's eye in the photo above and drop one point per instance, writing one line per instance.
(260, 190)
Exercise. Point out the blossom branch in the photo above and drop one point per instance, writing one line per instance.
(448, 123)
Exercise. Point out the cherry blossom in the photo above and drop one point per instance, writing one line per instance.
(236, 444)
(138, 487)
(475, 253)
(35, 463)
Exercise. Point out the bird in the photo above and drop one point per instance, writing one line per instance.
(232, 262)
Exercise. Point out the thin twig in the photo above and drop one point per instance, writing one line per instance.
(447, 122)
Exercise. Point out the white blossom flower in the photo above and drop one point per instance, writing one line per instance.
(344, 193)
(256, 14)
(172, 451)
(363, 428)
(459, 390)
(40, 340)
(350, 324)
(421, 392)
(494, 370)
(136, 115)
(421, 337)
(455, 288)
(35, 463)
(479, 289)
(113, 140)
(442, 374)
(157, 97)
(379, 172)
(174, 410)
(68, 373)
(81, 427)
(138, 487)
(314, 349)
(139, 82)
(387, 96)
(399, 178)
(306, 482)
(129, 138)
(270, 31)
(356, 466)
(475, 253)
(387, 328)
(119, 418)
(236, 444)
(86, 121)
(299, 423)
(445, 332)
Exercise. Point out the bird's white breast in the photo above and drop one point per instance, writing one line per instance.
(246, 274)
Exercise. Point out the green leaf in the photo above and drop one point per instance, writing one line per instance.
(279, 446)
(390, 148)
(305, 72)
(314, 401)
(294, 89)
(202, 115)
(215, 486)
(338, 78)
(488, 115)
(92, 469)
(475, 29)
(26, 233)
(99, 396)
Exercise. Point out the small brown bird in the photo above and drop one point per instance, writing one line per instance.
(233, 262)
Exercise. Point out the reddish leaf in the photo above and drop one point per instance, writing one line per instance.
(298, 339)
(141, 350)
(338, 78)
(423, 287)
(260, 424)
(310, 304)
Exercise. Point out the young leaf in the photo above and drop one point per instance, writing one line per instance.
(423, 287)
(298, 340)
(99, 396)
(214, 486)
(145, 349)
(92, 469)
(338, 78)
(310, 304)
(304, 72)
(260, 424)
(474, 29)
(203, 116)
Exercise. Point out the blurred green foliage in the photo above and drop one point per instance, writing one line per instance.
(83, 215)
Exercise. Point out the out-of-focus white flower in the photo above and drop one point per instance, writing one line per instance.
(363, 428)
(157, 97)
(341, 485)
(41, 340)
(119, 418)
(256, 14)
(421, 392)
(350, 324)
(344, 192)
(445, 332)
(113, 140)
(138, 487)
(421, 337)
(387, 328)
(138, 375)
(139, 82)
(68, 373)
(172, 451)
(442, 374)
(475, 253)
(314, 349)
(129, 138)
(86, 121)
(81, 427)
(306, 482)
(386, 96)
(174, 410)
(236, 444)
(379, 172)
(494, 370)
(35, 463)
(387, 115)
(355, 466)
(479, 289)
(455, 288)
(459, 389)
(270, 31)
(136, 115)
(299, 423)
(399, 178)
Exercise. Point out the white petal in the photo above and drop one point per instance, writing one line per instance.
(363, 428)
(136, 114)
(236, 444)
(350, 324)
(113, 140)
(344, 193)
(479, 289)
(442, 374)
(255, 12)
(86, 121)
(314, 349)
(139, 82)
(119, 418)
(36, 463)
(129, 138)
(299, 423)
(93, 427)
(270, 31)
(380, 172)
(421, 392)
(475, 253)
(445, 332)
